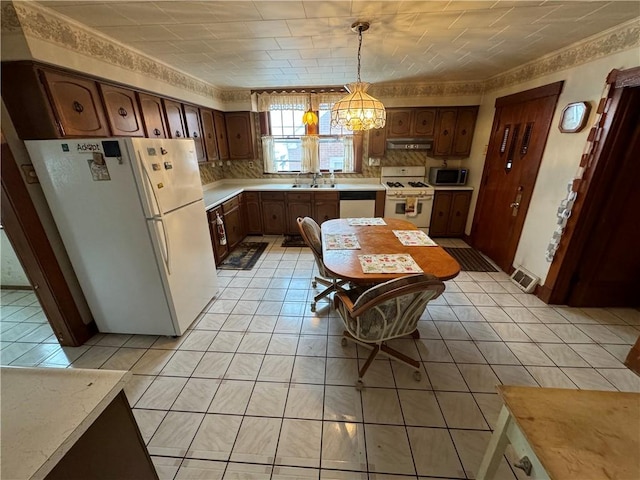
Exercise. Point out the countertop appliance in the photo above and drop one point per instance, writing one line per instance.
(133, 222)
(408, 197)
(448, 176)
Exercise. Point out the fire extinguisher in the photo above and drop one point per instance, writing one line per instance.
(222, 236)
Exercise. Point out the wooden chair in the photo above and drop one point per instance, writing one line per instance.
(386, 311)
(312, 236)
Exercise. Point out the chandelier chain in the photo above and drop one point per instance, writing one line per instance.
(359, 49)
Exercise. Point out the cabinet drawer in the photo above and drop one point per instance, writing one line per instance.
(231, 204)
(251, 197)
(272, 196)
(326, 197)
(299, 197)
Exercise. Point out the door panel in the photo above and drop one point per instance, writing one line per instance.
(515, 150)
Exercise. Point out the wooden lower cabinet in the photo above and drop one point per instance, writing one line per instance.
(233, 222)
(326, 206)
(298, 205)
(220, 252)
(273, 213)
(253, 215)
(450, 211)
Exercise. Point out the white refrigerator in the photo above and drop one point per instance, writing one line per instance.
(132, 219)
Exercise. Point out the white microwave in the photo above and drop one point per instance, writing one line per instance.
(448, 176)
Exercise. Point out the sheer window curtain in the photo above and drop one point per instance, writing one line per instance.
(269, 154)
(310, 161)
(349, 161)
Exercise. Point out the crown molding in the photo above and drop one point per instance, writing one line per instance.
(38, 22)
(620, 38)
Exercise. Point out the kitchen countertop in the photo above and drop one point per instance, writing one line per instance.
(46, 410)
(219, 192)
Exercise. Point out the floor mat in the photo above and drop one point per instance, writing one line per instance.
(244, 256)
(470, 260)
(293, 241)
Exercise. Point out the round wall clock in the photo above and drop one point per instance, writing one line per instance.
(574, 117)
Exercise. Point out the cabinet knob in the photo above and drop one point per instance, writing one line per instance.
(156, 132)
(77, 106)
(440, 214)
(457, 214)
(195, 134)
(178, 134)
(238, 136)
(209, 135)
(122, 112)
(445, 132)
(463, 132)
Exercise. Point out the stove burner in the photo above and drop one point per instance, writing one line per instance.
(418, 185)
(395, 184)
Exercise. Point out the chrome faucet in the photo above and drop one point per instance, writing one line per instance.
(314, 179)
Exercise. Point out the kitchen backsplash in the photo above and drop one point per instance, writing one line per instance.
(253, 168)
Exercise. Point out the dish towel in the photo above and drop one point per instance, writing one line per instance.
(411, 207)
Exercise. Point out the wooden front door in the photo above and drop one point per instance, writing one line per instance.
(518, 137)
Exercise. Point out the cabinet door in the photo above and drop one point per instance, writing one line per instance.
(232, 222)
(209, 133)
(298, 205)
(445, 129)
(194, 130)
(254, 216)
(399, 123)
(152, 116)
(377, 142)
(240, 135)
(326, 206)
(424, 122)
(122, 111)
(273, 217)
(459, 212)
(175, 119)
(440, 214)
(76, 104)
(219, 251)
(221, 133)
(465, 126)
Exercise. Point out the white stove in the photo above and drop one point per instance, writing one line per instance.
(408, 196)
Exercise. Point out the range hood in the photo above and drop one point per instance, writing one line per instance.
(415, 143)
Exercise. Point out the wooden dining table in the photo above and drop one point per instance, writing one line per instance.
(380, 239)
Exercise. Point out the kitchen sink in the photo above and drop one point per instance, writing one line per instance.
(307, 186)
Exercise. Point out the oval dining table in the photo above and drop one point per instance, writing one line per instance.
(380, 239)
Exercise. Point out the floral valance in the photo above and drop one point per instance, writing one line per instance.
(296, 101)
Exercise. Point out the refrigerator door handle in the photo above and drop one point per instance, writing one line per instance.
(166, 258)
(150, 182)
(158, 218)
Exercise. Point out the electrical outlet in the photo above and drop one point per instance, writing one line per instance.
(250, 164)
(219, 164)
(374, 162)
(228, 163)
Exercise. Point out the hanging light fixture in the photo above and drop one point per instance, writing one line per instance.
(310, 117)
(358, 110)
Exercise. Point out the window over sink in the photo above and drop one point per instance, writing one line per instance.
(290, 146)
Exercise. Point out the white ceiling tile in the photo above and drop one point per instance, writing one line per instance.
(144, 13)
(93, 15)
(280, 10)
(190, 32)
(291, 43)
(330, 8)
(270, 28)
(284, 54)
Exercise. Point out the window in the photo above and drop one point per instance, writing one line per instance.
(287, 148)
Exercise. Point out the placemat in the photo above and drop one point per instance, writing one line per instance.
(365, 221)
(341, 241)
(389, 263)
(414, 238)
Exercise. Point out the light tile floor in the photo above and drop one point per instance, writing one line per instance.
(261, 388)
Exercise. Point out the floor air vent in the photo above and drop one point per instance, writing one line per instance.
(524, 279)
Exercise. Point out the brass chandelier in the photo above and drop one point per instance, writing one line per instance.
(358, 110)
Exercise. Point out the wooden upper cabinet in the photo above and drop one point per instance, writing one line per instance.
(194, 130)
(153, 120)
(445, 129)
(209, 133)
(175, 119)
(122, 111)
(240, 135)
(399, 123)
(424, 122)
(465, 126)
(411, 122)
(377, 141)
(76, 104)
(221, 133)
